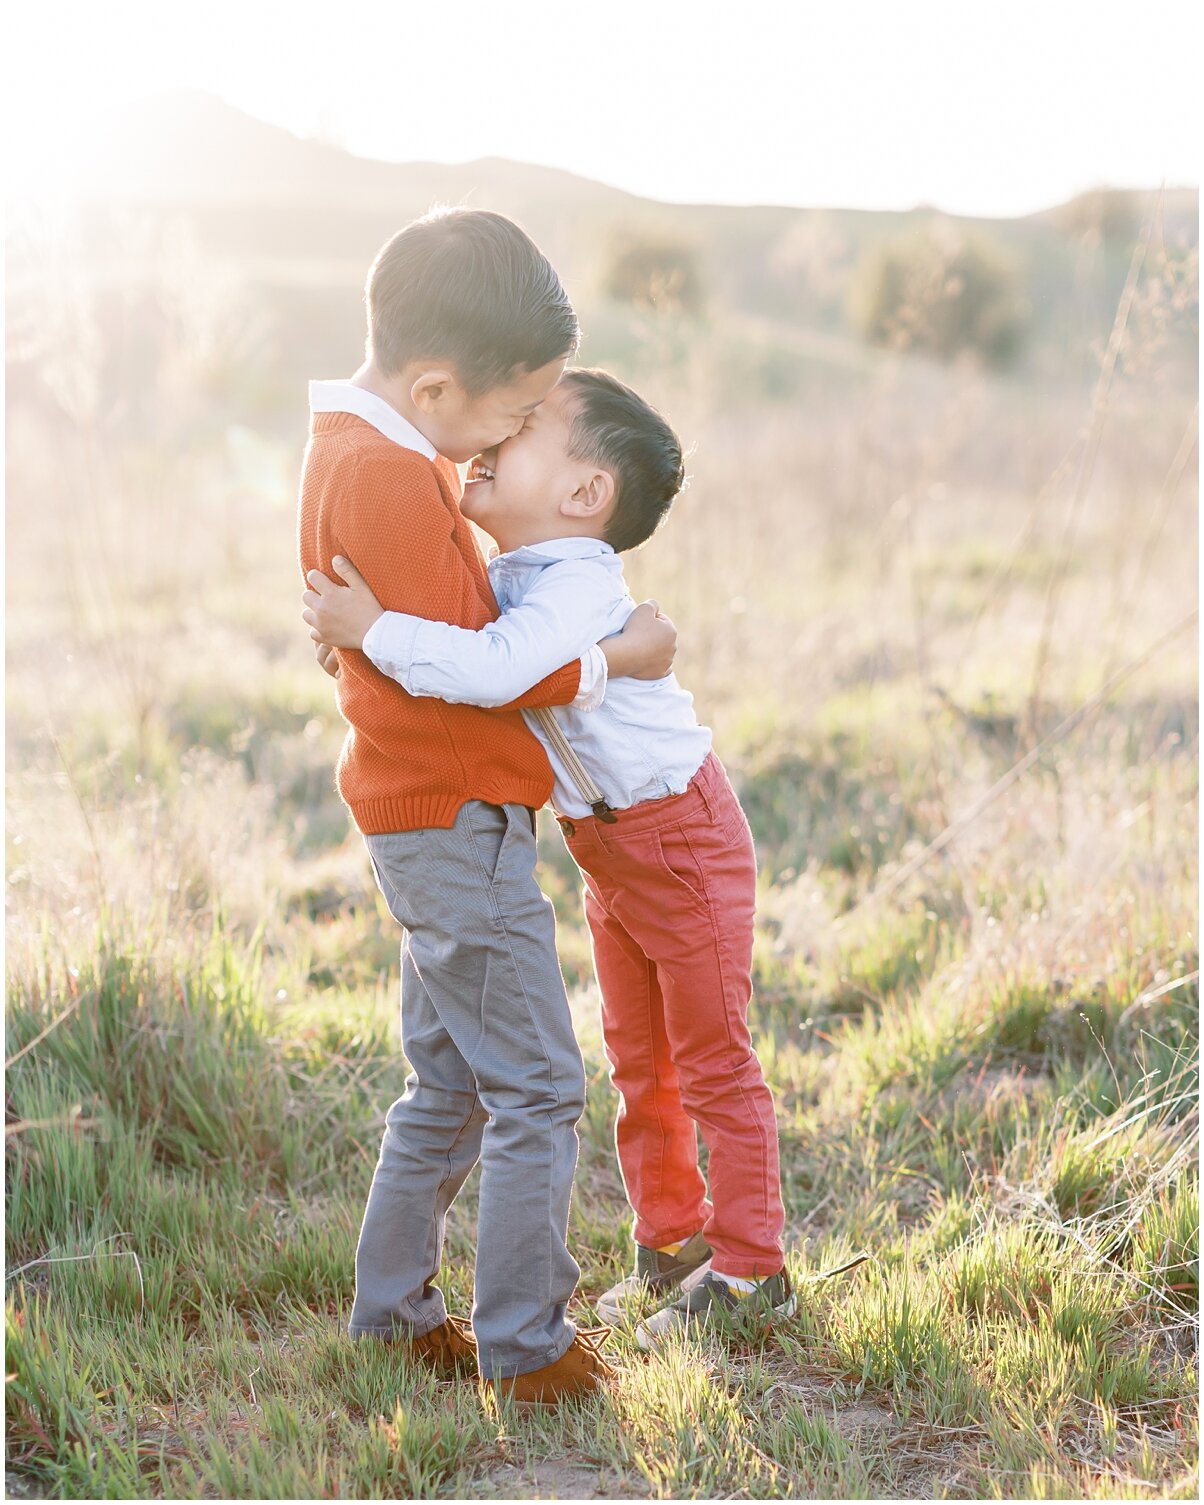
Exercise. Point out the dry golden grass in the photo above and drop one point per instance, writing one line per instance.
(889, 591)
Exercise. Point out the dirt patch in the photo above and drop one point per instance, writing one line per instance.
(920, 1460)
(561, 1479)
(849, 1417)
(927, 1477)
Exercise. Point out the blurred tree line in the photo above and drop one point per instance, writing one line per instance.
(943, 292)
(741, 305)
(923, 282)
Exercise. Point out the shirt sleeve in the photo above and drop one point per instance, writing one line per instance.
(563, 614)
(594, 676)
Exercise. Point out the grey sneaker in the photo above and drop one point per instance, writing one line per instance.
(711, 1301)
(657, 1274)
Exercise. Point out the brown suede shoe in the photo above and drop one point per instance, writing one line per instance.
(447, 1348)
(580, 1370)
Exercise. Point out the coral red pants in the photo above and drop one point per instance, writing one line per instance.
(669, 896)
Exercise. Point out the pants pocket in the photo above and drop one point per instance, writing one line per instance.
(680, 861)
(490, 828)
(393, 855)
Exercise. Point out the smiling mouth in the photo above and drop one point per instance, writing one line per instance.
(479, 471)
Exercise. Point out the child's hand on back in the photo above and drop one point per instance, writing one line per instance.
(327, 659)
(645, 648)
(340, 615)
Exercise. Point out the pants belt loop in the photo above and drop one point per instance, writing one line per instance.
(704, 788)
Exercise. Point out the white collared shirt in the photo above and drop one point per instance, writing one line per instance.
(642, 742)
(347, 397)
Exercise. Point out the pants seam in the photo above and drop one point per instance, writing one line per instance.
(451, 1149)
(595, 898)
(721, 966)
(532, 1014)
(650, 967)
(463, 1129)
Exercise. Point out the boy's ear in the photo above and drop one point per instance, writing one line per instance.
(430, 388)
(592, 498)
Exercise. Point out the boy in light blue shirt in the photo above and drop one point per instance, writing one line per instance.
(651, 819)
(644, 734)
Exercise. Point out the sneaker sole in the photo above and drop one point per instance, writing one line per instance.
(612, 1305)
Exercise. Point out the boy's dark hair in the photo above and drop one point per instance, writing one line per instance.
(614, 427)
(469, 287)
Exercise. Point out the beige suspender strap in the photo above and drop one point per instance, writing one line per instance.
(580, 775)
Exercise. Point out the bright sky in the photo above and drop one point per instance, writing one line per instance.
(978, 106)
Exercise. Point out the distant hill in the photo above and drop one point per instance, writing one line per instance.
(187, 147)
(299, 221)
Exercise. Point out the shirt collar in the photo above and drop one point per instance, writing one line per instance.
(557, 548)
(346, 397)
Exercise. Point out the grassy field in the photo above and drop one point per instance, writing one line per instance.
(941, 624)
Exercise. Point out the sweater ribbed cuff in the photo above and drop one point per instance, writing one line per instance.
(377, 817)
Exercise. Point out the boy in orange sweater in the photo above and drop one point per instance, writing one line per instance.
(469, 330)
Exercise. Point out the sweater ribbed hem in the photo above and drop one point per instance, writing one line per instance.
(414, 812)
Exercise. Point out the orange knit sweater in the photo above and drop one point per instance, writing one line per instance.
(409, 761)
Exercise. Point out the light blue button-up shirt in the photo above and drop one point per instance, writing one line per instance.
(642, 742)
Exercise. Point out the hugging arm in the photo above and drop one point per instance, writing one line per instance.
(501, 663)
(422, 517)
(568, 608)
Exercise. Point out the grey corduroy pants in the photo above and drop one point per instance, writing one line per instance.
(495, 1074)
